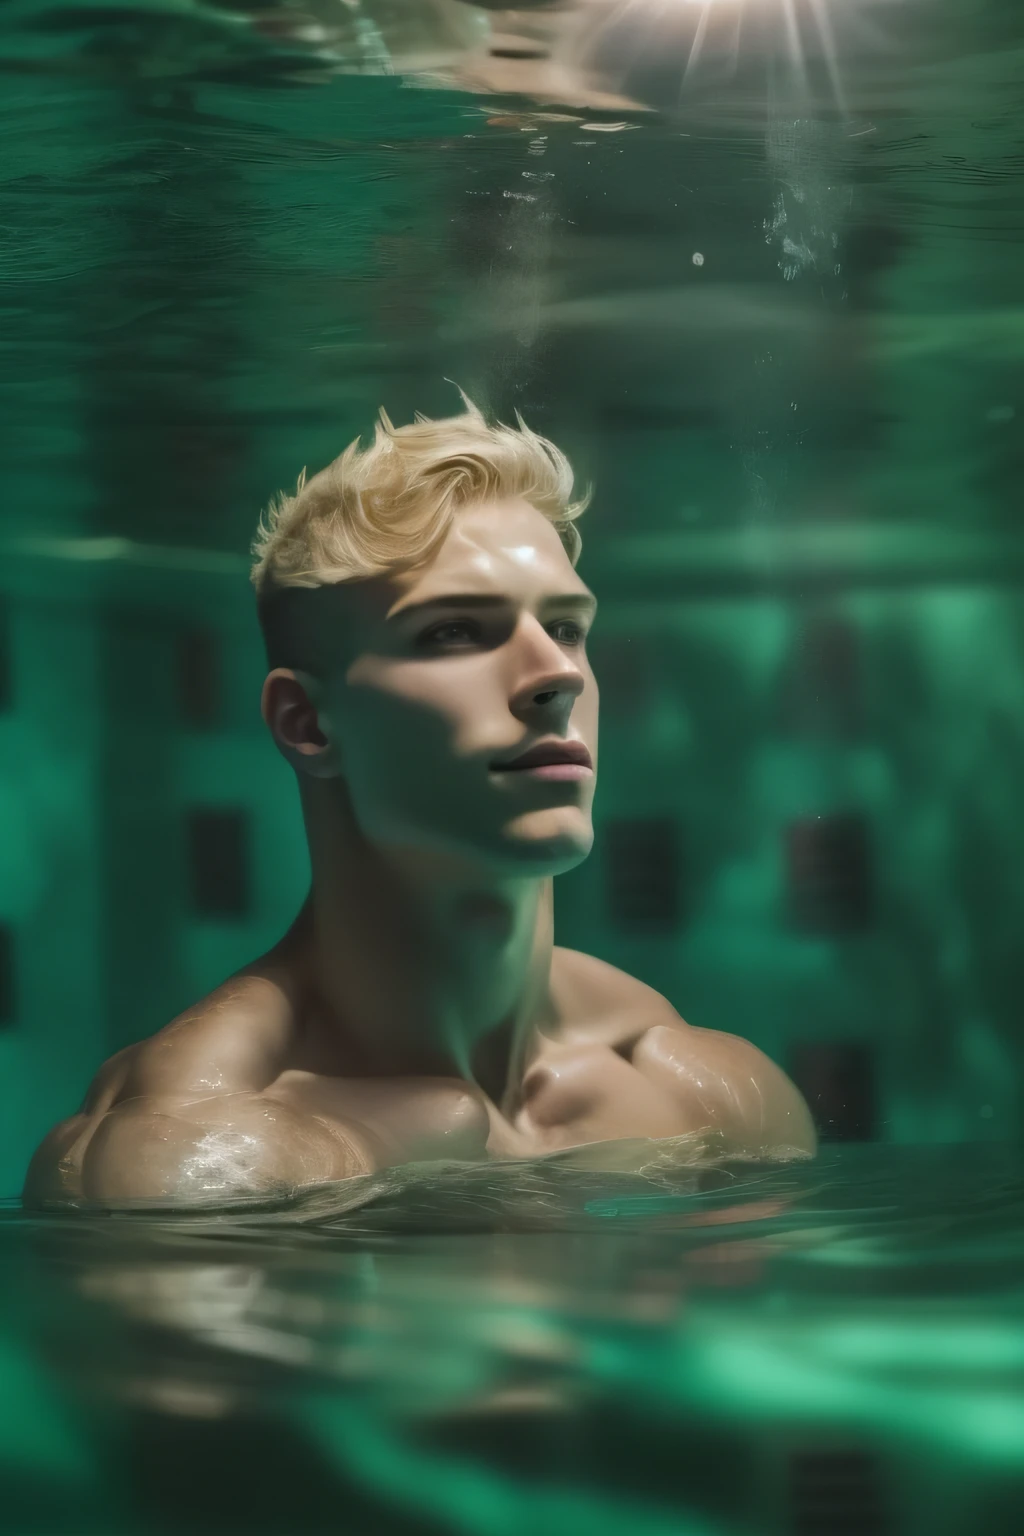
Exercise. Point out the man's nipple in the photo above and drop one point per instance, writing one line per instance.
(555, 1093)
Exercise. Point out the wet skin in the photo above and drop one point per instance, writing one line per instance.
(418, 1007)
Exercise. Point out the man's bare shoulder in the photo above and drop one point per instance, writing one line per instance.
(234, 1040)
(743, 1092)
(603, 1004)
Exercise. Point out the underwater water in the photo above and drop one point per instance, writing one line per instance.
(826, 1347)
(759, 269)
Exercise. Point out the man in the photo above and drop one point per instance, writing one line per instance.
(429, 684)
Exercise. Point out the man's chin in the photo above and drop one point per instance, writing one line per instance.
(547, 851)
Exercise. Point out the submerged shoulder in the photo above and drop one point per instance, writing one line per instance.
(234, 1040)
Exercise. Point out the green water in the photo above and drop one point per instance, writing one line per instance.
(775, 311)
(835, 1347)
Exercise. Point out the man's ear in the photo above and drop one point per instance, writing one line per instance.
(291, 704)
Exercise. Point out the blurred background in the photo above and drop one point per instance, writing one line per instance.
(757, 267)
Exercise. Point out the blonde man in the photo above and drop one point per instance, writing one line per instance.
(429, 684)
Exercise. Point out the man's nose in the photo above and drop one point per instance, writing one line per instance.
(549, 673)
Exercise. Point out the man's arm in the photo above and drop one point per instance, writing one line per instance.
(187, 1115)
(169, 1147)
(740, 1090)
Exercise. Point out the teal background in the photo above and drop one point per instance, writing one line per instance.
(221, 254)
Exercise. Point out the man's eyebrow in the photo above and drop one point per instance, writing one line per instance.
(584, 601)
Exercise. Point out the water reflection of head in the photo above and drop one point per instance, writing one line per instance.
(425, 624)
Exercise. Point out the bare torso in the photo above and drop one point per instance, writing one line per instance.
(246, 1093)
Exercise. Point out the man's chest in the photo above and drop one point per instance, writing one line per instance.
(590, 1092)
(571, 1094)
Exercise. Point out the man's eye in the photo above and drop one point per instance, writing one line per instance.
(442, 632)
(453, 631)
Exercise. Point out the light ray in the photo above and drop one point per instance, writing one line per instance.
(792, 30)
(796, 52)
(819, 9)
(698, 41)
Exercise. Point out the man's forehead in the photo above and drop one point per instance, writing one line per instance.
(513, 570)
(501, 559)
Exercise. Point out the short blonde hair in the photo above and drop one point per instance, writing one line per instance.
(388, 507)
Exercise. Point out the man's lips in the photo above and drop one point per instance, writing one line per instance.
(556, 771)
(551, 759)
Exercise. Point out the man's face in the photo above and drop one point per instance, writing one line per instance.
(444, 672)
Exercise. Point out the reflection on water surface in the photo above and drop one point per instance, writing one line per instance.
(646, 1359)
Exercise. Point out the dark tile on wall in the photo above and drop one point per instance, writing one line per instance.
(6, 670)
(138, 760)
(837, 1078)
(644, 874)
(828, 874)
(218, 855)
(836, 1490)
(199, 682)
(8, 1005)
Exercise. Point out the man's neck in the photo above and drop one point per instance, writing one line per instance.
(423, 969)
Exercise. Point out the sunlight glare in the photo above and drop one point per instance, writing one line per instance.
(707, 34)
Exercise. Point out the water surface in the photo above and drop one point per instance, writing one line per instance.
(830, 1346)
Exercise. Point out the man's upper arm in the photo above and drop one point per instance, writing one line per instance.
(743, 1093)
(168, 1148)
(183, 1116)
